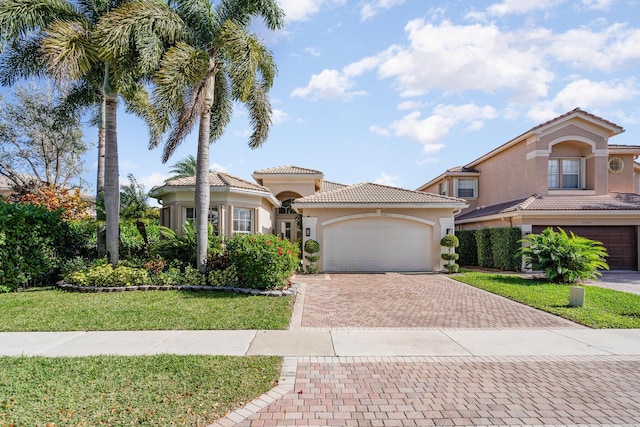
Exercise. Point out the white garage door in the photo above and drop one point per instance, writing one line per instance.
(377, 244)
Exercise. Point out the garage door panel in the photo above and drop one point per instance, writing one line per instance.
(376, 244)
(620, 242)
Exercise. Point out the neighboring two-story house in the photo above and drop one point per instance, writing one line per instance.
(362, 227)
(561, 173)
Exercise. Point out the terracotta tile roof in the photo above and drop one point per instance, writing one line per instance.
(287, 170)
(577, 111)
(330, 186)
(216, 179)
(367, 193)
(608, 202)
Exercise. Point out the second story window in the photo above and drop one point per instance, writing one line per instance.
(286, 207)
(466, 188)
(565, 174)
(443, 188)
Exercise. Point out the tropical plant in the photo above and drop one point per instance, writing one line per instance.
(133, 199)
(184, 168)
(564, 258)
(182, 247)
(214, 61)
(262, 261)
(57, 38)
(312, 247)
(450, 242)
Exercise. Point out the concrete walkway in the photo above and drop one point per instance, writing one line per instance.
(326, 342)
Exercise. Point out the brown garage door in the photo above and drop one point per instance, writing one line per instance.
(620, 242)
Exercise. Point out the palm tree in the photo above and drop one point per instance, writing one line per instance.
(56, 37)
(215, 61)
(184, 168)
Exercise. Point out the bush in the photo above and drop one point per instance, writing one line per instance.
(468, 249)
(262, 261)
(132, 240)
(183, 247)
(505, 244)
(564, 258)
(226, 277)
(450, 242)
(34, 243)
(312, 247)
(107, 276)
(483, 244)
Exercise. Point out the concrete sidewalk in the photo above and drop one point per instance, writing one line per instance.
(327, 342)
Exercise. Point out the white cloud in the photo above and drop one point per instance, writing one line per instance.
(605, 50)
(519, 7)
(278, 116)
(329, 84)
(586, 94)
(431, 130)
(457, 58)
(312, 51)
(373, 8)
(598, 4)
(409, 105)
(386, 179)
(218, 167)
(150, 181)
(379, 131)
(301, 10)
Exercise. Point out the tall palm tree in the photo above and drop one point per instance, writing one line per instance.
(56, 37)
(185, 167)
(216, 60)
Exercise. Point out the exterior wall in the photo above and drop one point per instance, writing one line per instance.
(623, 182)
(303, 186)
(319, 215)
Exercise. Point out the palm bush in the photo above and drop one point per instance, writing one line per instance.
(182, 247)
(564, 258)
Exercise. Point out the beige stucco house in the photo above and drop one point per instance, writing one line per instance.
(362, 227)
(561, 173)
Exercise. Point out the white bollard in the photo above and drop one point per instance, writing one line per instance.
(576, 296)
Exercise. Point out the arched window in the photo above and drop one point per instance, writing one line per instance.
(286, 207)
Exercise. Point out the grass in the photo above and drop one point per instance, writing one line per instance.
(604, 308)
(147, 390)
(55, 310)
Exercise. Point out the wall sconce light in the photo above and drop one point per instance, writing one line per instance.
(307, 232)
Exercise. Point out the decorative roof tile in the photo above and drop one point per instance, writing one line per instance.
(608, 202)
(287, 170)
(216, 179)
(368, 193)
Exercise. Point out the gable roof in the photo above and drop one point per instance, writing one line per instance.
(218, 181)
(287, 170)
(376, 194)
(568, 203)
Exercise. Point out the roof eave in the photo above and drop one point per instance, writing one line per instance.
(425, 205)
(156, 193)
(553, 213)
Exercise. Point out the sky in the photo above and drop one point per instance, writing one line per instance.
(397, 91)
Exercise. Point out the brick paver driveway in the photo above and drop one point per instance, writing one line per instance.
(441, 391)
(395, 300)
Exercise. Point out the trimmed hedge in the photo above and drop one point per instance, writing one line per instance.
(468, 249)
(483, 243)
(505, 243)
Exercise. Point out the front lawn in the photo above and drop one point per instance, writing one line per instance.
(146, 390)
(604, 308)
(55, 310)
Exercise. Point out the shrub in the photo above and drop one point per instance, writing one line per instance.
(34, 244)
(136, 238)
(450, 242)
(312, 247)
(468, 250)
(564, 258)
(107, 276)
(505, 244)
(183, 247)
(226, 277)
(483, 244)
(262, 261)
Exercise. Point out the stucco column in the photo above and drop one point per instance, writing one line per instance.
(446, 225)
(309, 232)
(525, 229)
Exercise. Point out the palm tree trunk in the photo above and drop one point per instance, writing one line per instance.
(112, 175)
(101, 238)
(202, 177)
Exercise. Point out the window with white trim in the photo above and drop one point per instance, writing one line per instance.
(466, 188)
(242, 220)
(190, 215)
(443, 188)
(566, 174)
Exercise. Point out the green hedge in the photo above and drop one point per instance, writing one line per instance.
(483, 244)
(468, 249)
(34, 242)
(505, 243)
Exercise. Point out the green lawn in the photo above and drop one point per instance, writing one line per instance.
(604, 308)
(55, 310)
(147, 390)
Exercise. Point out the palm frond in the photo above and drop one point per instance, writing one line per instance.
(185, 121)
(239, 52)
(222, 107)
(243, 11)
(19, 18)
(68, 49)
(259, 115)
(117, 31)
(22, 60)
(199, 20)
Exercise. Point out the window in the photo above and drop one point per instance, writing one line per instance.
(242, 220)
(565, 174)
(443, 188)
(616, 164)
(190, 215)
(286, 207)
(466, 188)
(165, 217)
